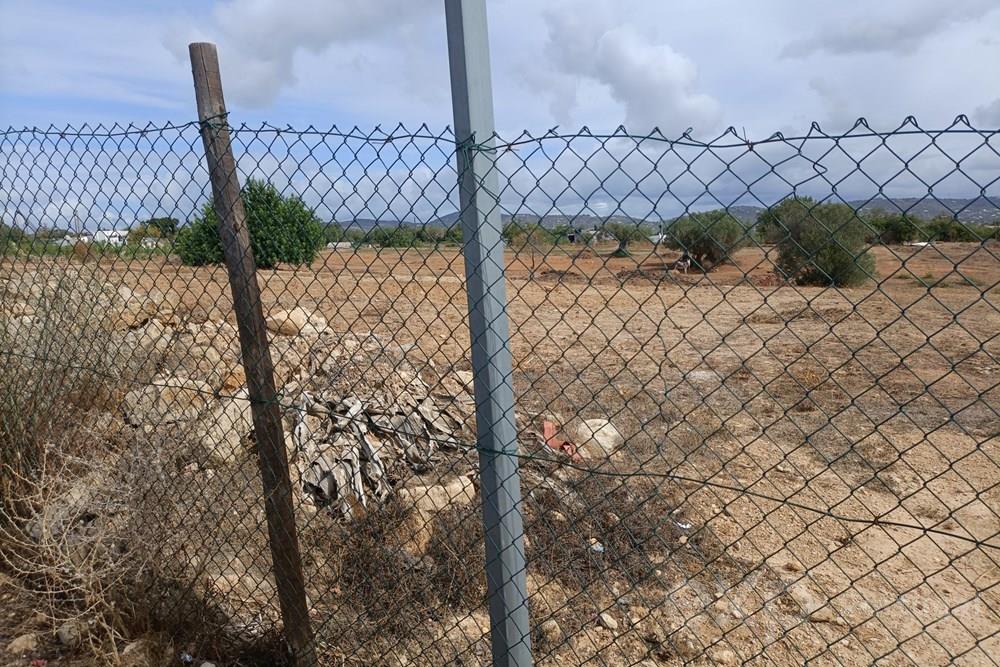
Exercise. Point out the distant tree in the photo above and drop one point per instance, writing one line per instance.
(561, 233)
(820, 244)
(333, 232)
(946, 227)
(626, 233)
(49, 233)
(892, 228)
(166, 227)
(454, 234)
(282, 229)
(142, 232)
(708, 238)
(10, 233)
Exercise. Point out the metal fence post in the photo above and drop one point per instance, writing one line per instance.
(472, 102)
(271, 456)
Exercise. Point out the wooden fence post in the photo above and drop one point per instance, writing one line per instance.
(271, 457)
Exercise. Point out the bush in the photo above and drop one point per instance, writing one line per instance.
(282, 229)
(892, 228)
(625, 233)
(947, 228)
(820, 244)
(708, 238)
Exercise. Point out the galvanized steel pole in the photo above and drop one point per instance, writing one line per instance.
(472, 102)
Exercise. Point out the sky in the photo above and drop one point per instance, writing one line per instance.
(760, 67)
(765, 66)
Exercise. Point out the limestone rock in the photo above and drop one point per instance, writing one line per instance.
(224, 427)
(607, 621)
(598, 435)
(296, 321)
(24, 644)
(725, 657)
(71, 633)
(551, 632)
(167, 400)
(439, 497)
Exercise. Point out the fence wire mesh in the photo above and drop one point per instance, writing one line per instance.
(756, 394)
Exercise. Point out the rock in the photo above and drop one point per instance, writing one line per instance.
(439, 497)
(725, 657)
(607, 620)
(71, 633)
(598, 435)
(140, 653)
(824, 615)
(234, 379)
(167, 400)
(225, 427)
(683, 539)
(208, 664)
(24, 644)
(132, 309)
(805, 598)
(294, 322)
(551, 632)
(685, 645)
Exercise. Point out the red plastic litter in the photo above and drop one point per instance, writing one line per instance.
(549, 431)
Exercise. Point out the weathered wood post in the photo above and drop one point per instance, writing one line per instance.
(271, 457)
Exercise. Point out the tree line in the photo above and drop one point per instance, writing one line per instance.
(817, 243)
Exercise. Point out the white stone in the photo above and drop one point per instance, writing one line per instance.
(599, 435)
(224, 427)
(551, 632)
(24, 644)
(296, 321)
(607, 620)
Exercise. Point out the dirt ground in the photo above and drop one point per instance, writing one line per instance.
(732, 391)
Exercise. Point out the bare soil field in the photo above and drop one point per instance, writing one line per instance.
(772, 445)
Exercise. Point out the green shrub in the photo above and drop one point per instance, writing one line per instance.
(282, 229)
(626, 233)
(708, 238)
(947, 228)
(820, 244)
(892, 228)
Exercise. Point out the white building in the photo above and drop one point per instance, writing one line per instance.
(72, 239)
(111, 236)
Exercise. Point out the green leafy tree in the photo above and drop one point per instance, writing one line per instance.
(820, 244)
(166, 228)
(626, 233)
(892, 228)
(333, 233)
(709, 238)
(947, 228)
(282, 229)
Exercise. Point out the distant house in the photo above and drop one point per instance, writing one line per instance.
(340, 245)
(71, 240)
(111, 236)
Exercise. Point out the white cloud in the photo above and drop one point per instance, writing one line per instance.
(654, 84)
(263, 38)
(988, 115)
(899, 27)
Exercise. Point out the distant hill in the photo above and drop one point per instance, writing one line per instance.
(979, 210)
(973, 210)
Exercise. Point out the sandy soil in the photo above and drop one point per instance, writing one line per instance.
(876, 403)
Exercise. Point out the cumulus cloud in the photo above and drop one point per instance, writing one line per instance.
(656, 85)
(263, 37)
(988, 115)
(897, 28)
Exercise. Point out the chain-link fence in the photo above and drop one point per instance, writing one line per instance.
(755, 391)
